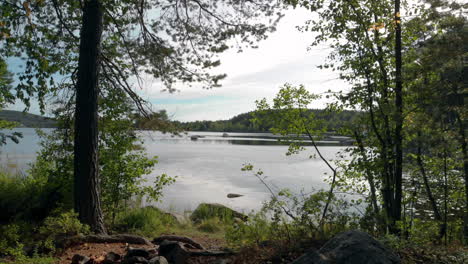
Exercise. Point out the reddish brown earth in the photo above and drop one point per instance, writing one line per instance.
(97, 251)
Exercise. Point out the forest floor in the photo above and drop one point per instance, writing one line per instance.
(250, 255)
(97, 251)
(266, 254)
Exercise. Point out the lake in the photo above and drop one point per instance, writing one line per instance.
(209, 167)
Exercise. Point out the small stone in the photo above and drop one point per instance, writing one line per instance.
(158, 260)
(80, 259)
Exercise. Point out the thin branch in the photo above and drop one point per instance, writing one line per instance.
(62, 22)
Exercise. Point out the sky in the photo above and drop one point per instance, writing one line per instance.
(254, 74)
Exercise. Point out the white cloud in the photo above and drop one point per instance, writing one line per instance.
(252, 75)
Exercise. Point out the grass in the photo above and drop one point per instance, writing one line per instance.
(29, 260)
(212, 225)
(152, 222)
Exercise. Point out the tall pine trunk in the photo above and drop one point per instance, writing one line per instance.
(398, 174)
(86, 172)
(464, 147)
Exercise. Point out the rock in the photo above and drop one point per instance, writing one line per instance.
(112, 256)
(174, 252)
(135, 260)
(80, 259)
(158, 260)
(177, 218)
(210, 210)
(225, 135)
(234, 195)
(195, 137)
(137, 252)
(350, 247)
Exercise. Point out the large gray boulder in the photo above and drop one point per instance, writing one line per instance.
(350, 247)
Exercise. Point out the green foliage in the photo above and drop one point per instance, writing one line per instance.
(10, 244)
(214, 211)
(294, 219)
(273, 222)
(6, 80)
(63, 224)
(35, 260)
(289, 116)
(148, 221)
(158, 121)
(6, 97)
(123, 162)
(362, 35)
(26, 197)
(40, 235)
(211, 225)
(258, 228)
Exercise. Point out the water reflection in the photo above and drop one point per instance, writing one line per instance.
(210, 167)
(260, 139)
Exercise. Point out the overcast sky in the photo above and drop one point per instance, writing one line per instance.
(251, 75)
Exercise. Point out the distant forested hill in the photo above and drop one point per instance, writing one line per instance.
(243, 122)
(27, 120)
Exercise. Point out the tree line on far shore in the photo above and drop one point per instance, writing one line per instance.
(327, 120)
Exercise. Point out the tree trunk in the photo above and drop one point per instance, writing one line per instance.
(398, 174)
(370, 179)
(464, 149)
(432, 200)
(86, 176)
(464, 146)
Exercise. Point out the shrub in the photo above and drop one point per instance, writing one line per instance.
(10, 244)
(254, 231)
(293, 219)
(212, 225)
(208, 211)
(147, 221)
(30, 197)
(35, 260)
(63, 224)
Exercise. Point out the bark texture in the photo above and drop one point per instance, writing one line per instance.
(398, 176)
(86, 171)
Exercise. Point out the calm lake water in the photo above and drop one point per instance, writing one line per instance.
(210, 167)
